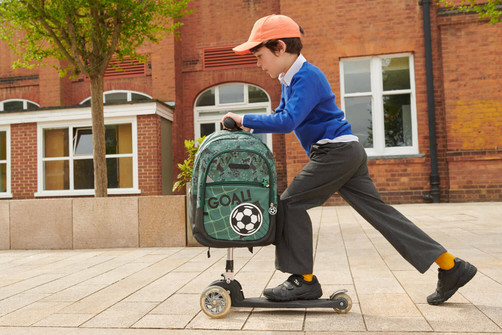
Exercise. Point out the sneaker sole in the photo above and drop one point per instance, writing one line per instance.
(468, 275)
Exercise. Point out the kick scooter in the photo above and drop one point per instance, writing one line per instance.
(220, 295)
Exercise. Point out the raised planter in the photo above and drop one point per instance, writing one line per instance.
(77, 223)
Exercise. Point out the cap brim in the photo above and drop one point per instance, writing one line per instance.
(245, 47)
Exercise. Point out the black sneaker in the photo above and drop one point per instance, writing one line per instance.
(451, 280)
(295, 288)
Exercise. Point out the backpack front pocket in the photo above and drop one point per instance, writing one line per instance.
(236, 212)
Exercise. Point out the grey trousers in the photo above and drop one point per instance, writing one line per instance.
(342, 168)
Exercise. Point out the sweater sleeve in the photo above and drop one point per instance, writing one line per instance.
(303, 98)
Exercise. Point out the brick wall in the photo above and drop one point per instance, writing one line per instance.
(472, 77)
(16, 83)
(163, 70)
(23, 160)
(149, 155)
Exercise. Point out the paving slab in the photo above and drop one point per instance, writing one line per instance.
(156, 290)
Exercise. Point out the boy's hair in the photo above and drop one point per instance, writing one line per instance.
(293, 45)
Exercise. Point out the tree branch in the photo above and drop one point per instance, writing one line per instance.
(117, 20)
(72, 41)
(42, 19)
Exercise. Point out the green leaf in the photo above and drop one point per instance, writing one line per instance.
(186, 169)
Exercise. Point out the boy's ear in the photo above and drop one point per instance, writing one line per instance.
(281, 47)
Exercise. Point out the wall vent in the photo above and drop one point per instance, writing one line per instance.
(126, 68)
(224, 57)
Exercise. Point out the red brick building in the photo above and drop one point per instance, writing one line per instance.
(372, 52)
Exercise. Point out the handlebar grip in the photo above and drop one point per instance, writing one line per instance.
(229, 123)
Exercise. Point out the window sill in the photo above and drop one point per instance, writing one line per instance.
(396, 159)
(6, 195)
(404, 156)
(123, 191)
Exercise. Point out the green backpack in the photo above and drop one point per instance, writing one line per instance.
(233, 195)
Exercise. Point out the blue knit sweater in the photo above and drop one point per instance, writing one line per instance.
(307, 107)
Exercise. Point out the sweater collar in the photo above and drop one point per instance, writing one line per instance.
(285, 78)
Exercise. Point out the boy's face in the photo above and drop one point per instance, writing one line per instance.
(270, 62)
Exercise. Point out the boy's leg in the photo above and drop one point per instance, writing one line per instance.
(418, 248)
(410, 241)
(330, 167)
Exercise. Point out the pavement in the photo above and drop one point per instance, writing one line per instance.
(157, 290)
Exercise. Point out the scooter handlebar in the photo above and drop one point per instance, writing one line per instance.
(229, 123)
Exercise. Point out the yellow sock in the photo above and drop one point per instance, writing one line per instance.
(308, 277)
(446, 261)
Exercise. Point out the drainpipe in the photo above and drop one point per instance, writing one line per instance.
(434, 177)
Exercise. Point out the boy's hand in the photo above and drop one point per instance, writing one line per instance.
(238, 121)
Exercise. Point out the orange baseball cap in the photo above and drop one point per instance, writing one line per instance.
(268, 28)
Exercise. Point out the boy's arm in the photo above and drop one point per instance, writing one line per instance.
(239, 119)
(289, 114)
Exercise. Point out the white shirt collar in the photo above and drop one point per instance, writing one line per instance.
(285, 78)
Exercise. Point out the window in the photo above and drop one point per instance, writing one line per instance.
(16, 105)
(378, 97)
(237, 98)
(5, 163)
(120, 97)
(66, 162)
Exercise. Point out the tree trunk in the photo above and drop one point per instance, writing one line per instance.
(98, 137)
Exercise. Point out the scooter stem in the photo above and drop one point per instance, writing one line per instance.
(229, 268)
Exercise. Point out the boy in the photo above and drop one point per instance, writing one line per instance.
(338, 163)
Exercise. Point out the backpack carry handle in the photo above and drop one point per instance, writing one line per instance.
(229, 123)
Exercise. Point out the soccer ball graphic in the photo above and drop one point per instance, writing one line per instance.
(246, 219)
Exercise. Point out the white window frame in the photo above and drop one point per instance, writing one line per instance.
(377, 112)
(215, 118)
(24, 101)
(71, 157)
(129, 95)
(8, 191)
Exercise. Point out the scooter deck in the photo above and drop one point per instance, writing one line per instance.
(265, 303)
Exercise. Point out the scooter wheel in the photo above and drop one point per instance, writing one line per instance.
(346, 301)
(215, 302)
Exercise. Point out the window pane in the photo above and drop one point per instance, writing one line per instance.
(3, 145)
(358, 113)
(118, 139)
(83, 174)
(231, 94)
(56, 143)
(207, 129)
(3, 179)
(115, 98)
(119, 172)
(86, 103)
(32, 106)
(82, 141)
(397, 120)
(56, 175)
(13, 106)
(356, 75)
(256, 94)
(139, 97)
(396, 73)
(206, 98)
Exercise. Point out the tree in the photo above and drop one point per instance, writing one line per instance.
(84, 35)
(490, 9)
